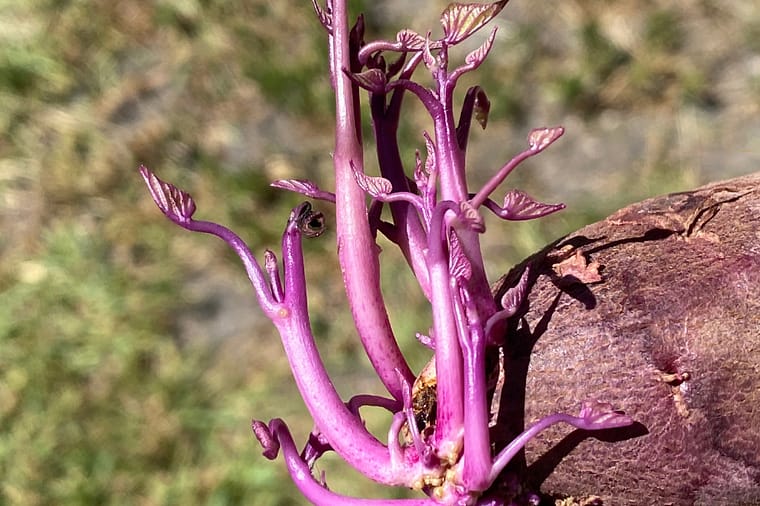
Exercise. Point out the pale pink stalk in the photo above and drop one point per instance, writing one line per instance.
(593, 416)
(448, 354)
(477, 445)
(311, 488)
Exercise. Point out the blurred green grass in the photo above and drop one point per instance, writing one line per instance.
(128, 371)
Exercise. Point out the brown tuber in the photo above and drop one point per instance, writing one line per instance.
(655, 310)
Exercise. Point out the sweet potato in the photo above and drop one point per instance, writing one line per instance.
(656, 310)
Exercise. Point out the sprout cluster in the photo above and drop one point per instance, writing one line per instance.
(439, 440)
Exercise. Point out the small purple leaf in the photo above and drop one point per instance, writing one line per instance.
(410, 40)
(515, 296)
(376, 187)
(601, 415)
(459, 266)
(540, 138)
(372, 80)
(304, 187)
(521, 206)
(475, 58)
(510, 303)
(459, 21)
(176, 204)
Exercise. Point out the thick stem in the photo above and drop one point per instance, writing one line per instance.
(357, 251)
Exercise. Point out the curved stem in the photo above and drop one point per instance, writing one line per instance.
(344, 430)
(315, 491)
(500, 176)
(260, 284)
(579, 422)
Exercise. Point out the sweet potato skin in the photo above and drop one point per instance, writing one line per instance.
(668, 330)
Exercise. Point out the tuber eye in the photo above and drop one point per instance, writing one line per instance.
(424, 397)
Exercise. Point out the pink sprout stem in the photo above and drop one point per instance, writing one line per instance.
(315, 491)
(613, 420)
(448, 354)
(344, 430)
(477, 446)
(357, 251)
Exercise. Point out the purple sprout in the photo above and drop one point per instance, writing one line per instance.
(436, 223)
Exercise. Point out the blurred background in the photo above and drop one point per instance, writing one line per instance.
(132, 353)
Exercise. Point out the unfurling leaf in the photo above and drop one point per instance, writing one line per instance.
(372, 80)
(430, 163)
(459, 21)
(428, 58)
(515, 296)
(375, 186)
(269, 443)
(540, 138)
(176, 204)
(475, 58)
(521, 206)
(324, 16)
(270, 260)
(420, 176)
(410, 40)
(459, 266)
